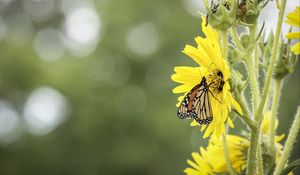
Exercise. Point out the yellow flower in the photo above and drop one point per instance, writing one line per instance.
(217, 72)
(265, 131)
(211, 160)
(293, 19)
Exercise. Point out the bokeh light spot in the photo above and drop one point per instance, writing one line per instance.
(82, 30)
(143, 39)
(2, 28)
(39, 10)
(19, 29)
(44, 110)
(194, 7)
(9, 123)
(48, 45)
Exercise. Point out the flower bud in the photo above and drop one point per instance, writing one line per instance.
(245, 39)
(286, 61)
(221, 16)
(236, 82)
(248, 11)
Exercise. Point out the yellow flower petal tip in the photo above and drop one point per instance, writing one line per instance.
(293, 19)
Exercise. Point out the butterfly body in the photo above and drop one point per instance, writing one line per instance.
(196, 104)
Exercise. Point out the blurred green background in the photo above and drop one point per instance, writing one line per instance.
(85, 87)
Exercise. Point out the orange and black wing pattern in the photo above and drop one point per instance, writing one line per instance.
(196, 104)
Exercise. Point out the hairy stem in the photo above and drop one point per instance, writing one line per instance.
(276, 95)
(252, 152)
(259, 170)
(227, 155)
(288, 144)
(258, 114)
(256, 62)
(253, 81)
(252, 68)
(246, 117)
(236, 40)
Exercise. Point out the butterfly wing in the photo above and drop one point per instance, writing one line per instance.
(185, 108)
(196, 105)
(202, 106)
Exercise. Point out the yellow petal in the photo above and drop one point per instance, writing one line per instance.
(182, 88)
(185, 79)
(293, 35)
(230, 123)
(236, 106)
(203, 127)
(279, 138)
(194, 165)
(296, 48)
(293, 18)
(209, 31)
(208, 131)
(180, 98)
(196, 55)
(195, 123)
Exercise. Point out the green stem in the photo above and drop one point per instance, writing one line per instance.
(253, 82)
(275, 103)
(251, 68)
(288, 144)
(256, 62)
(252, 152)
(224, 44)
(258, 114)
(246, 114)
(227, 155)
(259, 170)
(236, 40)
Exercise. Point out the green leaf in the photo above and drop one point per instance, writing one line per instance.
(290, 167)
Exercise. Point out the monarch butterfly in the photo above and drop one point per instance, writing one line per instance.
(196, 104)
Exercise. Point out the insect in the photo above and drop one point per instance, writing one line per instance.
(196, 104)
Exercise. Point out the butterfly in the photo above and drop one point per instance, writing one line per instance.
(196, 104)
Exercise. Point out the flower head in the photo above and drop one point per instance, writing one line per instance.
(211, 160)
(216, 71)
(293, 19)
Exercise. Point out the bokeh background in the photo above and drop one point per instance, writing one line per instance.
(85, 86)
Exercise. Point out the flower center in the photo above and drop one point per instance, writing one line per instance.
(215, 80)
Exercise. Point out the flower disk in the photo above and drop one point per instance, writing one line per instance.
(216, 71)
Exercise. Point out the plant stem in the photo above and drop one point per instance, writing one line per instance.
(259, 170)
(250, 62)
(236, 40)
(224, 43)
(275, 103)
(258, 114)
(253, 81)
(251, 160)
(227, 155)
(246, 117)
(288, 144)
(256, 62)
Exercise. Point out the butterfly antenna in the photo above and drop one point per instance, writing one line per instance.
(214, 96)
(208, 69)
